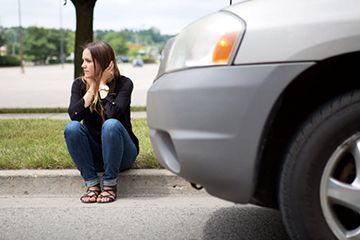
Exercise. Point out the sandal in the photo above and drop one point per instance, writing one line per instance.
(91, 194)
(110, 193)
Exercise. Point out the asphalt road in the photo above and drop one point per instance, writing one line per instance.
(171, 218)
(49, 86)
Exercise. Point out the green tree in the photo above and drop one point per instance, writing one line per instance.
(2, 38)
(117, 41)
(149, 36)
(100, 34)
(11, 40)
(69, 41)
(40, 43)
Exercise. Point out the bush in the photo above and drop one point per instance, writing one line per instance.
(7, 61)
(54, 61)
(149, 60)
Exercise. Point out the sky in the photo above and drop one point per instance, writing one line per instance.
(169, 16)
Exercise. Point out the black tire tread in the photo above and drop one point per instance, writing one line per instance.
(296, 145)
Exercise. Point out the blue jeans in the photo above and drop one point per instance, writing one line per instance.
(115, 153)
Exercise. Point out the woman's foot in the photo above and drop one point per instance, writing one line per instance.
(91, 194)
(108, 194)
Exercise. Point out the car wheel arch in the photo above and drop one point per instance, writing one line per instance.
(298, 100)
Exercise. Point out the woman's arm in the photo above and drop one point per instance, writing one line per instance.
(78, 102)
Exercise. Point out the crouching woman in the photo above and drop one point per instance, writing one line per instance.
(100, 138)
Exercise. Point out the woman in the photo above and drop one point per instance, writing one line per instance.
(104, 141)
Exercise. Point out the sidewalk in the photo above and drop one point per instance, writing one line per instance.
(68, 182)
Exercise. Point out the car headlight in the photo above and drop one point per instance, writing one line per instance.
(212, 40)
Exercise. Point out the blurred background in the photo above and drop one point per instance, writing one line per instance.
(37, 42)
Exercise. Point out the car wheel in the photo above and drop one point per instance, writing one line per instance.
(319, 192)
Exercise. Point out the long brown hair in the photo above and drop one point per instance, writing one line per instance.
(102, 54)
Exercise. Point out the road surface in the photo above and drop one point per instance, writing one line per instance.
(172, 217)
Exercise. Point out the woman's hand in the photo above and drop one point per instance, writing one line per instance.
(91, 92)
(108, 74)
(106, 77)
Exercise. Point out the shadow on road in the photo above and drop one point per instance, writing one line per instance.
(242, 223)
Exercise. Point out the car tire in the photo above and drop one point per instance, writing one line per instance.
(319, 185)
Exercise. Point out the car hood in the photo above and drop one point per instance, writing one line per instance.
(292, 30)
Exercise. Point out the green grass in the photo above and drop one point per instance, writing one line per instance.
(33, 110)
(40, 144)
(55, 110)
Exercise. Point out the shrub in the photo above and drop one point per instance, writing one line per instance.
(149, 60)
(7, 61)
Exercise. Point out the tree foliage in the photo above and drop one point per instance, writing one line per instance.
(11, 36)
(2, 38)
(149, 36)
(117, 41)
(41, 43)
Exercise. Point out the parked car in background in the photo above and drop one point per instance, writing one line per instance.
(260, 103)
(123, 59)
(137, 62)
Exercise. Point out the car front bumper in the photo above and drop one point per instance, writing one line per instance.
(206, 124)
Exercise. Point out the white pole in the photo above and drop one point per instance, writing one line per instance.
(61, 37)
(21, 41)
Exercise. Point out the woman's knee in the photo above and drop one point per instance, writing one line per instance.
(111, 125)
(112, 128)
(73, 128)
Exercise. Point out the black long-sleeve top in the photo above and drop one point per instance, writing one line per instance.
(116, 105)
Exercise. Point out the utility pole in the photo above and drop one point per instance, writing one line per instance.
(21, 41)
(61, 37)
(14, 41)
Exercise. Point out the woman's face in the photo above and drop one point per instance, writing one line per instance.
(88, 64)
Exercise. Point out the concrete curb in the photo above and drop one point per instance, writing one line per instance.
(139, 182)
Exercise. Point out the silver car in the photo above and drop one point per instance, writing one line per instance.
(260, 103)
